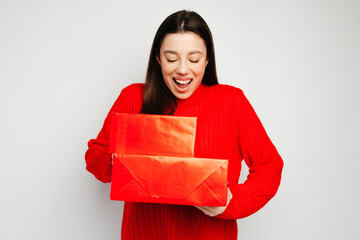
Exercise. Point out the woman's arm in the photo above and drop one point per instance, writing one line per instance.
(264, 162)
(97, 157)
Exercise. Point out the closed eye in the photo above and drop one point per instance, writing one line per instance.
(171, 60)
(194, 61)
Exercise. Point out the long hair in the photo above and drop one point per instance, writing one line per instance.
(158, 99)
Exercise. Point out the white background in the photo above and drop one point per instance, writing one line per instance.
(63, 64)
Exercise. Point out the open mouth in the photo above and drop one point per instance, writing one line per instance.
(182, 84)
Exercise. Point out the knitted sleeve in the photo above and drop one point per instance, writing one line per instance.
(264, 162)
(97, 157)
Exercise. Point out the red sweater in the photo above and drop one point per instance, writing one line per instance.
(227, 128)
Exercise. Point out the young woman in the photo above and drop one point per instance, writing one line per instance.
(181, 80)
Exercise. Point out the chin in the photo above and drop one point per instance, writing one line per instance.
(183, 97)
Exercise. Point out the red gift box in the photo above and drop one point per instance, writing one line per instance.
(154, 161)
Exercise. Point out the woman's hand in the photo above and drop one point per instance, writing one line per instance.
(214, 211)
(112, 155)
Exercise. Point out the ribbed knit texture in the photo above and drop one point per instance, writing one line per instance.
(227, 128)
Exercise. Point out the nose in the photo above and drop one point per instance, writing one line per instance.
(182, 68)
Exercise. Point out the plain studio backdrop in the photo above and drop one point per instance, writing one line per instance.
(63, 64)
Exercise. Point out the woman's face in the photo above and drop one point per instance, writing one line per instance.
(183, 61)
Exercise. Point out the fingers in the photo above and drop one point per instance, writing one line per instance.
(205, 210)
(211, 211)
(214, 211)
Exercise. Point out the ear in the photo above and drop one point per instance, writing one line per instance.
(158, 59)
(206, 63)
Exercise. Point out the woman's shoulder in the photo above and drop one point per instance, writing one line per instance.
(226, 90)
(134, 88)
(130, 98)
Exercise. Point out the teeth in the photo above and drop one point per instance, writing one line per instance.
(182, 82)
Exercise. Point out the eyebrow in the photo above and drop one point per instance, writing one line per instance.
(191, 53)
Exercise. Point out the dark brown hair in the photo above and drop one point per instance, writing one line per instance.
(158, 99)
